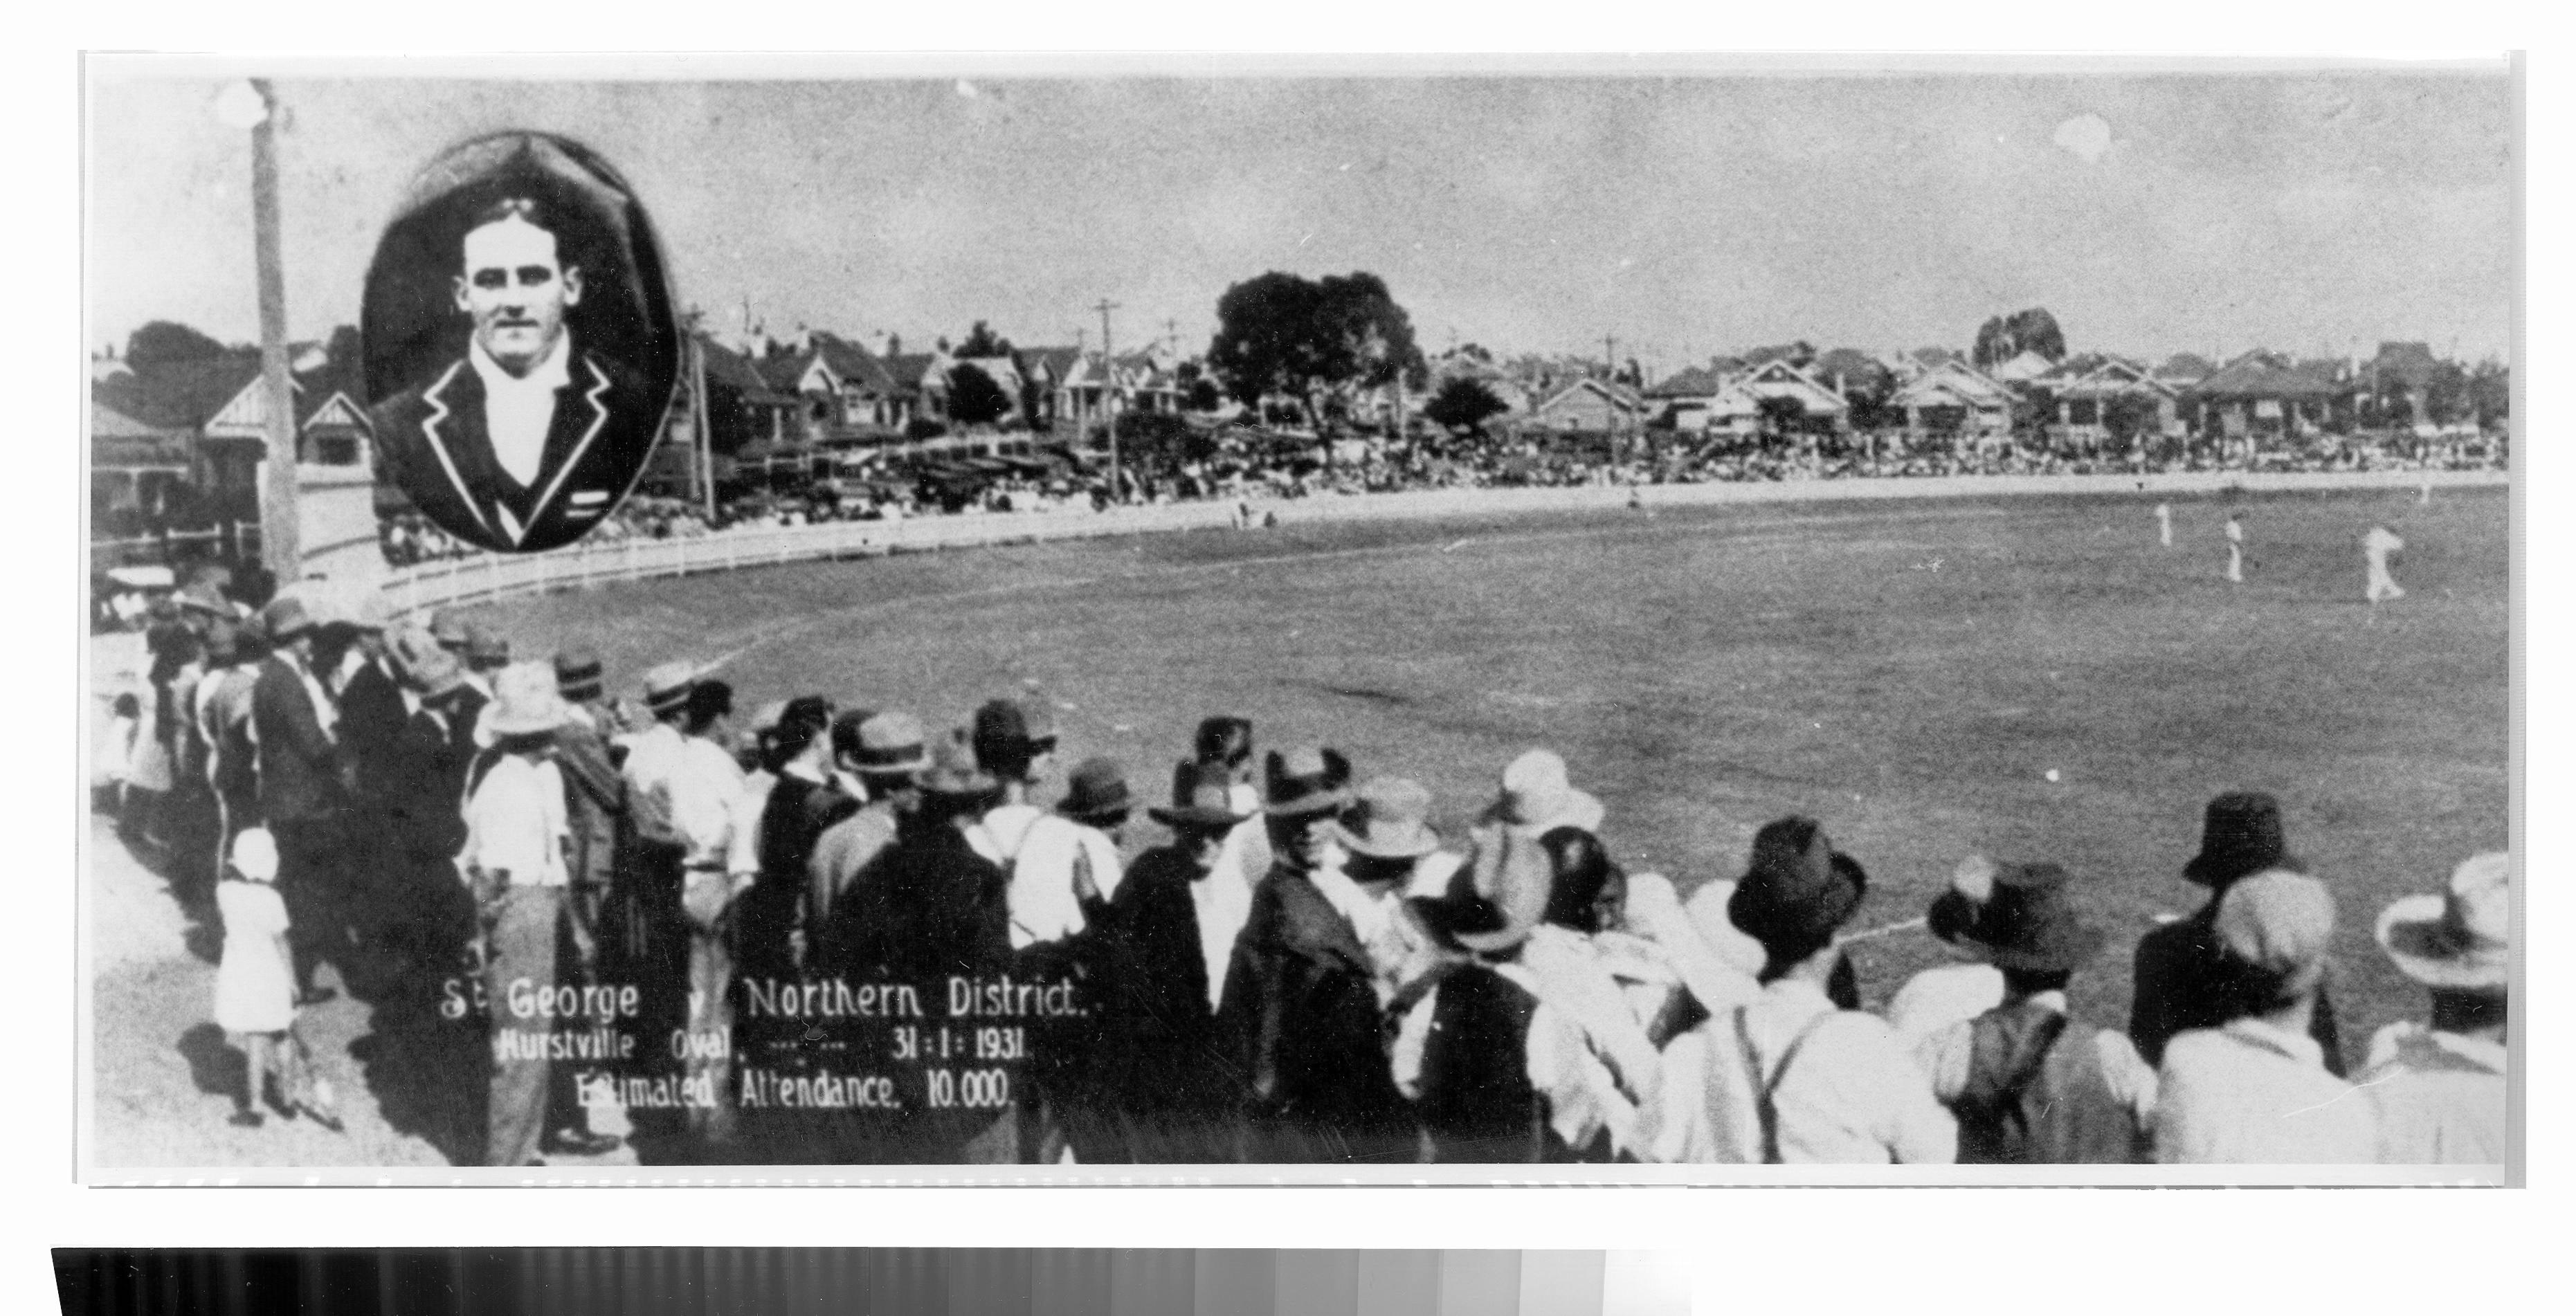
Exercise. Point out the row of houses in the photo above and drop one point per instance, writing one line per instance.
(181, 442)
(2084, 402)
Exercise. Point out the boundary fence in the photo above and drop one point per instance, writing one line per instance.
(493, 576)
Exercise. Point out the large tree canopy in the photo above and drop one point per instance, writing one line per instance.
(975, 398)
(2008, 336)
(1280, 334)
(165, 341)
(1464, 405)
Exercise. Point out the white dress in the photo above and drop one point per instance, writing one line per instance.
(254, 987)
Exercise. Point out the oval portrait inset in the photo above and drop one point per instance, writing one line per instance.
(519, 345)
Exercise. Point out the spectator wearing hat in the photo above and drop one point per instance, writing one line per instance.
(2027, 1084)
(2440, 1085)
(1795, 1079)
(1222, 753)
(1523, 1047)
(1160, 1072)
(303, 793)
(516, 835)
(931, 907)
(486, 652)
(1300, 1006)
(1933, 1000)
(773, 933)
(2255, 1089)
(1536, 795)
(884, 751)
(596, 816)
(1069, 1075)
(2180, 980)
(1386, 844)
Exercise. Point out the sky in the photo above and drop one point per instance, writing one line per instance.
(1684, 216)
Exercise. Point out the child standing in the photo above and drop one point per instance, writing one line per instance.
(255, 989)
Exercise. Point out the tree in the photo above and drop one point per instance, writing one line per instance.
(165, 342)
(1312, 340)
(2005, 337)
(2187, 365)
(981, 341)
(1798, 353)
(2491, 391)
(974, 398)
(1463, 406)
(1781, 415)
(2446, 394)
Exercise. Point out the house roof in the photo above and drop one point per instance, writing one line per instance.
(1694, 382)
(731, 369)
(854, 364)
(1617, 395)
(1054, 362)
(907, 372)
(180, 395)
(2025, 364)
(2259, 375)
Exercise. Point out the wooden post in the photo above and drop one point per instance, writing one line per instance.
(280, 549)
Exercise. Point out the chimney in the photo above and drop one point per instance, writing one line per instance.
(894, 345)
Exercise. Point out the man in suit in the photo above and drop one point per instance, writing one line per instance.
(526, 441)
(303, 793)
(1300, 1018)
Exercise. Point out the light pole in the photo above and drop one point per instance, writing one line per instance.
(250, 104)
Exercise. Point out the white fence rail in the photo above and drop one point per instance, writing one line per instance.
(492, 576)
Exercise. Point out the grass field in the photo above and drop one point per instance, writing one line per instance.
(1909, 673)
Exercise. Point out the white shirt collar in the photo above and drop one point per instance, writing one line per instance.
(518, 410)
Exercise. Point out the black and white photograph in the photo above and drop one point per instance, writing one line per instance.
(1919, 620)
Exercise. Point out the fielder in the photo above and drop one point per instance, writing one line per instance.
(2164, 524)
(2376, 546)
(2235, 551)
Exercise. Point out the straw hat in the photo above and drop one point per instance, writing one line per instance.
(1536, 795)
(524, 703)
(1496, 897)
(2460, 939)
(1386, 820)
(578, 674)
(954, 771)
(890, 746)
(667, 685)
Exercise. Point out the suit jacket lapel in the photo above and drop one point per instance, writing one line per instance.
(581, 412)
(454, 431)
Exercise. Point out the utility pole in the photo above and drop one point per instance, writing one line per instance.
(1108, 413)
(280, 549)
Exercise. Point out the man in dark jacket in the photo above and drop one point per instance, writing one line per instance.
(303, 789)
(2182, 981)
(595, 815)
(1161, 1072)
(1301, 1014)
(927, 908)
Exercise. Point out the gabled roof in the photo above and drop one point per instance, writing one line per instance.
(181, 395)
(2110, 376)
(2023, 365)
(1694, 382)
(1617, 395)
(908, 372)
(1051, 363)
(856, 366)
(2263, 374)
(731, 369)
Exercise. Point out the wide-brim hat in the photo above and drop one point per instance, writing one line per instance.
(667, 685)
(1494, 899)
(1202, 800)
(1304, 782)
(524, 703)
(954, 771)
(2030, 923)
(1387, 819)
(2460, 939)
(1096, 792)
(2240, 834)
(891, 746)
(285, 618)
(1536, 794)
(1797, 891)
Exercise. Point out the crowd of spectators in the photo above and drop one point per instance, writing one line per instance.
(1250, 466)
